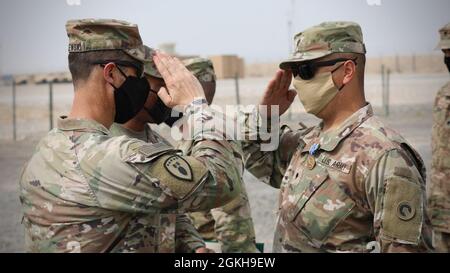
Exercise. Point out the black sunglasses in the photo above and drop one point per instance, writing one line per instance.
(139, 68)
(306, 71)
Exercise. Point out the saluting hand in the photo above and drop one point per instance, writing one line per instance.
(278, 92)
(181, 85)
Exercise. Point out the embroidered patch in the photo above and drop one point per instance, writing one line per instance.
(405, 211)
(179, 168)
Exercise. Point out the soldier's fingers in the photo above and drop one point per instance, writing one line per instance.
(286, 80)
(278, 78)
(164, 95)
(270, 88)
(162, 67)
(167, 60)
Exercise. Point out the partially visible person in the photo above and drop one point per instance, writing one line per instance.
(230, 225)
(439, 190)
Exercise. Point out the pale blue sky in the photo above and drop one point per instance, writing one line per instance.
(33, 37)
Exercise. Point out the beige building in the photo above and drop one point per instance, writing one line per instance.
(228, 66)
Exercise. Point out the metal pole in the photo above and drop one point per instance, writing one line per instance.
(50, 106)
(236, 81)
(383, 88)
(397, 63)
(388, 77)
(14, 109)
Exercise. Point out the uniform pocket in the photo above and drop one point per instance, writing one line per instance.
(320, 208)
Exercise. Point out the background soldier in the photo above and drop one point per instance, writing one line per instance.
(85, 191)
(439, 195)
(231, 225)
(349, 184)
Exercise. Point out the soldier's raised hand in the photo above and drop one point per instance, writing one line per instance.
(278, 92)
(181, 86)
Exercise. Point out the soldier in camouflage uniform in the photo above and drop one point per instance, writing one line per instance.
(439, 194)
(349, 184)
(177, 233)
(231, 225)
(85, 191)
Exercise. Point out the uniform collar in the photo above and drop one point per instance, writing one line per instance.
(67, 124)
(329, 140)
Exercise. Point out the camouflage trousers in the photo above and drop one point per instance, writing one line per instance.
(442, 242)
(231, 225)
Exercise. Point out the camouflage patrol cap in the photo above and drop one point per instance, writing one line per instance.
(202, 69)
(324, 39)
(149, 65)
(104, 34)
(444, 43)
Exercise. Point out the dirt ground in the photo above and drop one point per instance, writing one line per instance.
(411, 110)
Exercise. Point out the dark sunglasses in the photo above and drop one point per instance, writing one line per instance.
(306, 71)
(139, 68)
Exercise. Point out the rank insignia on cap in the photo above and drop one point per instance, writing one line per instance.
(178, 167)
(405, 211)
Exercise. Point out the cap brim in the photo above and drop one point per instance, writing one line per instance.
(303, 57)
(443, 45)
(152, 72)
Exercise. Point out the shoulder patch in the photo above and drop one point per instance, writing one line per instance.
(179, 168)
(181, 175)
(402, 210)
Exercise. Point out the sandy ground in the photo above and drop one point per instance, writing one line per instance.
(411, 108)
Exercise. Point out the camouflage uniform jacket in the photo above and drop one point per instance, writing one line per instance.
(177, 234)
(439, 194)
(231, 225)
(357, 188)
(85, 191)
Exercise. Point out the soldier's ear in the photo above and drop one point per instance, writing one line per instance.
(349, 72)
(109, 75)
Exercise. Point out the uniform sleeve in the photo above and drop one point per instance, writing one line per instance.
(267, 166)
(233, 226)
(130, 175)
(396, 195)
(187, 238)
(439, 187)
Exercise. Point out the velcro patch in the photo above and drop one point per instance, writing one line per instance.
(154, 149)
(182, 175)
(402, 210)
(142, 153)
(403, 172)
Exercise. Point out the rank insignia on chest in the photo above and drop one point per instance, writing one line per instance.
(310, 162)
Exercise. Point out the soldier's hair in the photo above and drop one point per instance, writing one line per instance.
(81, 64)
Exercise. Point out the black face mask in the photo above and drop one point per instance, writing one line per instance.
(130, 97)
(447, 63)
(159, 112)
(173, 118)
